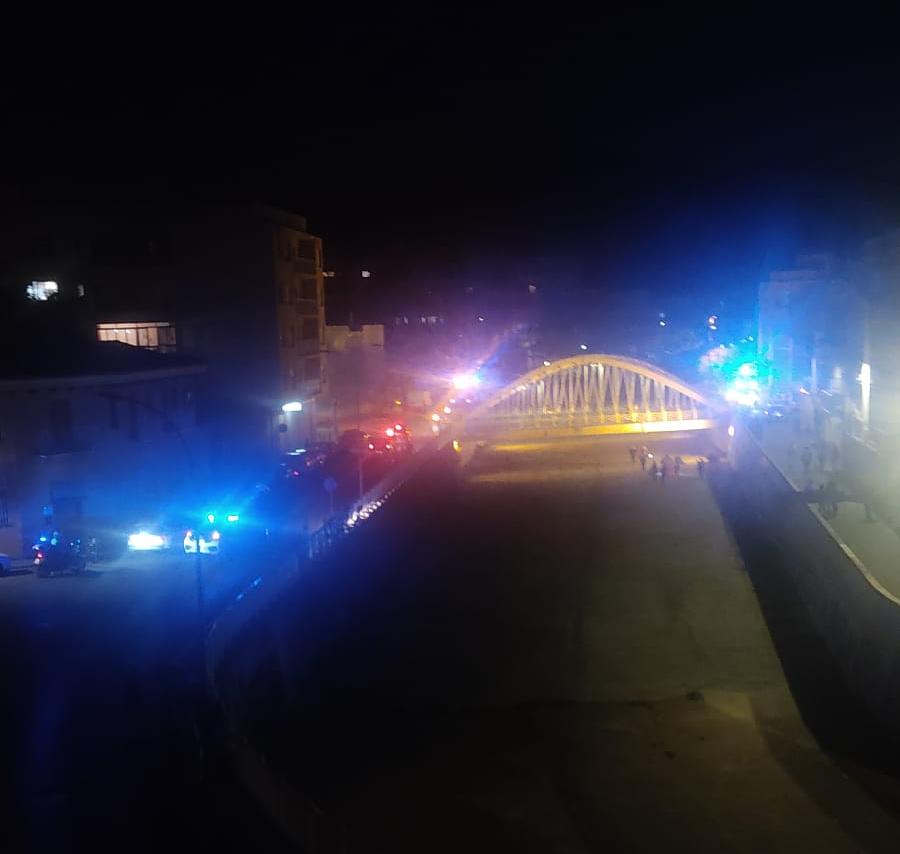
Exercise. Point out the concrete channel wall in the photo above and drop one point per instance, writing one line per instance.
(857, 618)
(231, 661)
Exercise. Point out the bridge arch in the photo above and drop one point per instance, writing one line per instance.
(596, 392)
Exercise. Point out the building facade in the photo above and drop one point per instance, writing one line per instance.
(96, 438)
(240, 288)
(810, 326)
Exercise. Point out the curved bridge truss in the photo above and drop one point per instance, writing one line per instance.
(610, 393)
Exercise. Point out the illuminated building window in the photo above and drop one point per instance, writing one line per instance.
(158, 336)
(42, 291)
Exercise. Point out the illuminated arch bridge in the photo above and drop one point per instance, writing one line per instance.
(588, 394)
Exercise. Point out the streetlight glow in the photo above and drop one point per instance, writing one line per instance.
(292, 406)
(465, 381)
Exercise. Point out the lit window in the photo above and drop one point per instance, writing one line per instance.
(150, 335)
(42, 291)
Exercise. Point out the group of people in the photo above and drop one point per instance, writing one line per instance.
(667, 467)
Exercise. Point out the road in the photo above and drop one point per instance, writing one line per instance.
(551, 652)
(106, 738)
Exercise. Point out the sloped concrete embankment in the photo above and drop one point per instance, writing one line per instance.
(858, 620)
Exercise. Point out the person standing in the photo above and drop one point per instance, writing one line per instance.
(654, 469)
(678, 464)
(632, 451)
(668, 466)
(701, 466)
(643, 458)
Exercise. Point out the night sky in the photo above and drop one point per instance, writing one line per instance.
(657, 151)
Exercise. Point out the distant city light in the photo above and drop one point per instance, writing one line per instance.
(465, 381)
(389, 432)
(210, 517)
(662, 323)
(748, 369)
(292, 406)
(546, 363)
(713, 319)
(365, 274)
(435, 428)
(42, 291)
(398, 428)
(447, 410)
(731, 430)
(480, 319)
(435, 416)
(582, 346)
(865, 380)
(232, 517)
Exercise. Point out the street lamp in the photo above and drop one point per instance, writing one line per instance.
(292, 406)
(461, 382)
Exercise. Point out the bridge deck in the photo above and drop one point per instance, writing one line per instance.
(556, 654)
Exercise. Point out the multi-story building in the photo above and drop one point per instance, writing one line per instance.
(93, 434)
(239, 287)
(810, 326)
(880, 286)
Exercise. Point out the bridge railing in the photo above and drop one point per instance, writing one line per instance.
(601, 417)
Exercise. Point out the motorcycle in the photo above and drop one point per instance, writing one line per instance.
(52, 554)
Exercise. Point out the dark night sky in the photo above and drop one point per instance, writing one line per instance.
(650, 150)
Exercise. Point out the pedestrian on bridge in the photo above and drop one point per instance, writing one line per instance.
(679, 462)
(701, 465)
(633, 452)
(643, 457)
